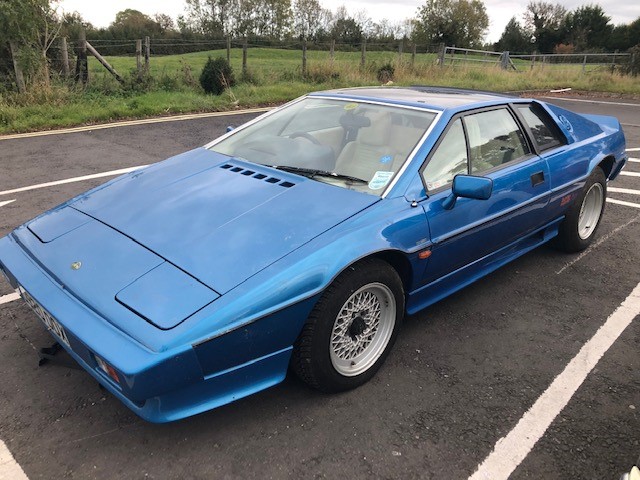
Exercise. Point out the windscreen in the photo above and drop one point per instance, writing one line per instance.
(355, 145)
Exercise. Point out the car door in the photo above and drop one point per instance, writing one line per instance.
(490, 143)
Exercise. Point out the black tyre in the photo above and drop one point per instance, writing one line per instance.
(578, 228)
(351, 329)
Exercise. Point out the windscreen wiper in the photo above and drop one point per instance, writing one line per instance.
(313, 172)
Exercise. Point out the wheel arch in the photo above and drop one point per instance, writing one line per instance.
(606, 164)
(395, 258)
(400, 263)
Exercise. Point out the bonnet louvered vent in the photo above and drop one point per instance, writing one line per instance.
(257, 176)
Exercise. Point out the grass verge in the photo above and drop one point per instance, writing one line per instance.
(272, 77)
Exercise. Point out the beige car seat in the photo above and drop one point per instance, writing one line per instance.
(361, 158)
(382, 146)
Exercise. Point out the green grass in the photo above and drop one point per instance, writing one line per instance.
(274, 76)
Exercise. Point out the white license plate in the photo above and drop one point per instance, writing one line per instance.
(51, 323)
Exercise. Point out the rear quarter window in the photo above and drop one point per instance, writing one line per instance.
(543, 129)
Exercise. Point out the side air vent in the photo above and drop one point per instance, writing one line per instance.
(257, 176)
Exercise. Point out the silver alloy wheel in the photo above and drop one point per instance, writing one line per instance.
(362, 329)
(590, 211)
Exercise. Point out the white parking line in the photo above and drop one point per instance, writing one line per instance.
(622, 202)
(634, 160)
(175, 118)
(12, 297)
(9, 468)
(633, 149)
(75, 179)
(509, 451)
(599, 242)
(630, 174)
(2, 204)
(623, 190)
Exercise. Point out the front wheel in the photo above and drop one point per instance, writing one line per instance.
(351, 329)
(583, 218)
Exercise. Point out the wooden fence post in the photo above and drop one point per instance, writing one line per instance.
(363, 54)
(245, 47)
(441, 55)
(413, 55)
(304, 57)
(82, 65)
(229, 48)
(400, 48)
(139, 56)
(65, 58)
(104, 63)
(17, 68)
(147, 53)
(584, 64)
(504, 60)
(332, 50)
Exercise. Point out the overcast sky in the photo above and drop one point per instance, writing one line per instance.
(102, 13)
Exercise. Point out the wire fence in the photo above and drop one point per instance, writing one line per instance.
(456, 57)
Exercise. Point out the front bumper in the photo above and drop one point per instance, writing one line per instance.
(158, 386)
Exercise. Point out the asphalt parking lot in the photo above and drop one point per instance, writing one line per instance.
(461, 376)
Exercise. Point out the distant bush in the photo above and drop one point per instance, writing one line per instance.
(634, 61)
(216, 76)
(386, 73)
(564, 49)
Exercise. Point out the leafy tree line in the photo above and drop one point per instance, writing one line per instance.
(29, 30)
(550, 28)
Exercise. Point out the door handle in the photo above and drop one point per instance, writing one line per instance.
(537, 179)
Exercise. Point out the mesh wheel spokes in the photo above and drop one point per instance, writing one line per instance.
(362, 329)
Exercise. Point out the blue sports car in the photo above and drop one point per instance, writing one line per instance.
(301, 239)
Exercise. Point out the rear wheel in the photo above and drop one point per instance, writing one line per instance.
(352, 328)
(583, 217)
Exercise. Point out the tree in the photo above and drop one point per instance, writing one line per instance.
(131, 23)
(462, 23)
(346, 30)
(307, 16)
(29, 27)
(72, 24)
(619, 38)
(272, 18)
(543, 21)
(165, 22)
(514, 39)
(588, 28)
(209, 17)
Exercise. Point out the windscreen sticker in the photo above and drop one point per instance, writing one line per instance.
(437, 184)
(386, 159)
(380, 180)
(350, 106)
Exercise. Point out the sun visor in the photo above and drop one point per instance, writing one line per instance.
(166, 296)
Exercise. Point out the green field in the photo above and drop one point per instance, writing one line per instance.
(273, 76)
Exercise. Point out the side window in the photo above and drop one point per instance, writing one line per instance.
(544, 131)
(449, 159)
(494, 139)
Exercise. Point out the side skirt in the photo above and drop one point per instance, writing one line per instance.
(458, 279)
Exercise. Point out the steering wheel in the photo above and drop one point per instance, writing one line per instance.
(306, 136)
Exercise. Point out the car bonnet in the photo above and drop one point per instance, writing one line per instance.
(221, 220)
